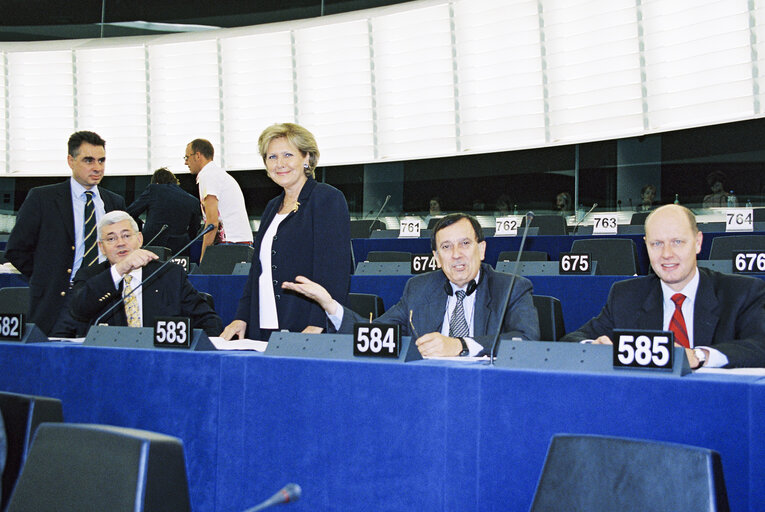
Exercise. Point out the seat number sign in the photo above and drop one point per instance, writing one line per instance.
(749, 261)
(11, 326)
(409, 228)
(183, 261)
(604, 224)
(740, 219)
(172, 332)
(507, 226)
(423, 263)
(575, 263)
(643, 349)
(376, 340)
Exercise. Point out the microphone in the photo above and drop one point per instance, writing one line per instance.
(594, 205)
(287, 494)
(206, 230)
(529, 217)
(387, 198)
(164, 227)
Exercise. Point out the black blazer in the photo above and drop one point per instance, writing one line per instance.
(169, 204)
(41, 246)
(168, 294)
(425, 296)
(728, 315)
(314, 242)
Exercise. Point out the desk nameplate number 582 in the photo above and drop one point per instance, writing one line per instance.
(376, 340)
(11, 326)
(172, 332)
(650, 350)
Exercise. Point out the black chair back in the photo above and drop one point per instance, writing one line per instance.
(14, 299)
(615, 256)
(221, 259)
(547, 224)
(723, 247)
(389, 256)
(163, 252)
(550, 313)
(365, 303)
(362, 228)
(526, 256)
(638, 218)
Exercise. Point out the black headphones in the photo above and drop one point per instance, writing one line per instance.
(472, 285)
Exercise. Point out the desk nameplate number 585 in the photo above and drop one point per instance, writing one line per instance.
(376, 340)
(650, 350)
(172, 332)
(11, 326)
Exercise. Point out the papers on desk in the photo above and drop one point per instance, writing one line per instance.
(732, 371)
(237, 344)
(462, 359)
(69, 340)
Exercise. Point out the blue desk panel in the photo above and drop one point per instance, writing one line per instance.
(360, 435)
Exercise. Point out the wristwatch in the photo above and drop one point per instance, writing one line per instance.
(465, 350)
(701, 356)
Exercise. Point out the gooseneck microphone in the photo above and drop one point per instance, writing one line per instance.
(164, 227)
(594, 205)
(371, 226)
(529, 217)
(287, 494)
(206, 230)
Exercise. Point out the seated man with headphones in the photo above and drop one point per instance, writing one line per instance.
(458, 308)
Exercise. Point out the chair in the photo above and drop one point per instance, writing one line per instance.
(432, 222)
(384, 268)
(526, 256)
(208, 299)
(615, 256)
(711, 227)
(163, 252)
(723, 247)
(547, 224)
(221, 259)
(362, 228)
(22, 415)
(638, 218)
(80, 467)
(585, 472)
(366, 303)
(389, 256)
(14, 299)
(550, 313)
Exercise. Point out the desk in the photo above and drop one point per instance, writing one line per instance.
(359, 435)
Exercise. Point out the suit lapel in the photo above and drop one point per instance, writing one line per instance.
(63, 202)
(706, 311)
(482, 309)
(651, 314)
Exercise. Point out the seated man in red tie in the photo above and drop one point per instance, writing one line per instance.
(169, 293)
(718, 318)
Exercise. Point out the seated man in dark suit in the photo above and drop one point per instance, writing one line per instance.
(458, 308)
(169, 293)
(718, 318)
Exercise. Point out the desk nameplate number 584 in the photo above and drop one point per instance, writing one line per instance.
(172, 332)
(11, 326)
(650, 350)
(376, 340)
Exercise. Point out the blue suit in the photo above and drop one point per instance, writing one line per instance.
(425, 295)
(314, 242)
(728, 314)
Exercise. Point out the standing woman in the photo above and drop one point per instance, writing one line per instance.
(305, 231)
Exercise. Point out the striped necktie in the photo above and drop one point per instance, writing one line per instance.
(677, 323)
(131, 304)
(458, 327)
(89, 234)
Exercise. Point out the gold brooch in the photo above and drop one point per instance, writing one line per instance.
(295, 207)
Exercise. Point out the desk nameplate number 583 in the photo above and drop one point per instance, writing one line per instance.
(376, 340)
(650, 350)
(172, 332)
(11, 326)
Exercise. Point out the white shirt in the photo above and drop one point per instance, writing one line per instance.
(232, 213)
(78, 208)
(716, 358)
(136, 275)
(267, 303)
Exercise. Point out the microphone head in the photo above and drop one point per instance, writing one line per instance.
(530, 215)
(292, 492)
(208, 228)
(594, 205)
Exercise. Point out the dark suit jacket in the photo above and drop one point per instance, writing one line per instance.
(41, 246)
(168, 204)
(168, 294)
(314, 242)
(426, 297)
(728, 315)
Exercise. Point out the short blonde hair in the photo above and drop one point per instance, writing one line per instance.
(298, 136)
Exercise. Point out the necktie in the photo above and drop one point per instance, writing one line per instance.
(458, 327)
(89, 234)
(677, 323)
(131, 305)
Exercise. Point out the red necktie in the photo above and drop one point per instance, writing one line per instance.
(677, 324)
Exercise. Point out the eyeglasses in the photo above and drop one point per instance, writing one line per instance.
(113, 239)
(186, 157)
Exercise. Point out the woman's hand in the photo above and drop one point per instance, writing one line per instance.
(235, 328)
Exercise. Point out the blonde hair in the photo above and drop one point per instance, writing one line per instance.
(298, 136)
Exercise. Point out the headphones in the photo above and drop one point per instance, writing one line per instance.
(472, 285)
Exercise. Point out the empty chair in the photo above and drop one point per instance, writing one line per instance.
(638, 218)
(389, 256)
(550, 313)
(22, 414)
(432, 222)
(547, 224)
(615, 256)
(163, 252)
(365, 303)
(14, 299)
(362, 228)
(78, 467)
(221, 259)
(526, 256)
(585, 472)
(723, 247)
